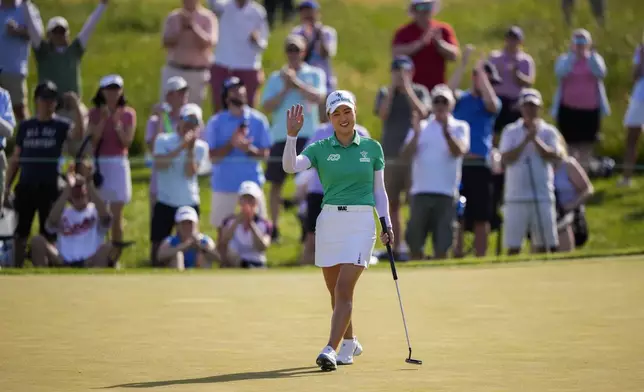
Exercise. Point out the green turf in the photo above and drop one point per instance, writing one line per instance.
(566, 326)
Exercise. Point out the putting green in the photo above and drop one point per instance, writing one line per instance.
(558, 326)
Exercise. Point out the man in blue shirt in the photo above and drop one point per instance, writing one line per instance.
(296, 83)
(239, 139)
(479, 106)
(7, 124)
(14, 46)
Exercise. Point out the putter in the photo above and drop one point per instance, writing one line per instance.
(392, 263)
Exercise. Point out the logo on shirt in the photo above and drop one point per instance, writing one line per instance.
(364, 157)
(333, 157)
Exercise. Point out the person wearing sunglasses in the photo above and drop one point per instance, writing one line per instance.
(430, 43)
(580, 101)
(479, 106)
(239, 140)
(440, 142)
(177, 157)
(297, 82)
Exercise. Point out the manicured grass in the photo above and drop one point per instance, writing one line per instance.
(566, 326)
(127, 41)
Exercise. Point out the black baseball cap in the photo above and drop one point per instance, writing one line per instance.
(515, 32)
(46, 90)
(231, 82)
(492, 73)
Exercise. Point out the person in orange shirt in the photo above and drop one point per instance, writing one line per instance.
(189, 37)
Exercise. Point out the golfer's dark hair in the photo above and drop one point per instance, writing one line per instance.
(99, 99)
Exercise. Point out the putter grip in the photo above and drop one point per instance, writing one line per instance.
(390, 253)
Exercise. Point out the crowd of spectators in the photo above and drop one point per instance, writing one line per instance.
(488, 143)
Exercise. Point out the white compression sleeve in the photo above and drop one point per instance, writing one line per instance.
(291, 162)
(380, 195)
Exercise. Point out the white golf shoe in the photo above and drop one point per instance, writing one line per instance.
(327, 359)
(350, 348)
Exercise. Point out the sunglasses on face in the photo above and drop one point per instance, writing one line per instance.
(59, 31)
(440, 101)
(424, 7)
(293, 49)
(193, 120)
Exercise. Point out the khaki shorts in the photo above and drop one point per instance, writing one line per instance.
(224, 204)
(397, 179)
(16, 85)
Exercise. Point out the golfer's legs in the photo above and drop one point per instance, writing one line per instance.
(347, 279)
(516, 223)
(331, 279)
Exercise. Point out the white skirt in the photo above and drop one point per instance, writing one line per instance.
(634, 117)
(344, 235)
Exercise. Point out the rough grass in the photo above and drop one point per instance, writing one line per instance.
(533, 327)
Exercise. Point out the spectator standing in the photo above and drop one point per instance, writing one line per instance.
(435, 148)
(271, 10)
(39, 147)
(581, 100)
(395, 105)
(322, 41)
(598, 8)
(529, 149)
(189, 36)
(296, 82)
(58, 58)
(80, 220)
(315, 192)
(517, 71)
(111, 125)
(7, 125)
(188, 248)
(14, 46)
(634, 119)
(176, 157)
(176, 95)
(244, 238)
(479, 106)
(238, 138)
(240, 49)
(429, 42)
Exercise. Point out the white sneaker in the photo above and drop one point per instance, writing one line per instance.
(327, 359)
(350, 348)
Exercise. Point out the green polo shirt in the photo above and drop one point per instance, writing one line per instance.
(346, 173)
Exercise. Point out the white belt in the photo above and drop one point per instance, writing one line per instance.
(346, 208)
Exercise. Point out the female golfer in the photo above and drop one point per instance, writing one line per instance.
(351, 171)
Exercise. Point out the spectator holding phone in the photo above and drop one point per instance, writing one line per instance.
(244, 237)
(188, 248)
(238, 138)
(176, 157)
(40, 143)
(79, 219)
(111, 125)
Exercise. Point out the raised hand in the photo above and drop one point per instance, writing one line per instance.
(467, 53)
(294, 120)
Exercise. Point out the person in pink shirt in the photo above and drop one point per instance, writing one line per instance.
(111, 126)
(580, 100)
(189, 36)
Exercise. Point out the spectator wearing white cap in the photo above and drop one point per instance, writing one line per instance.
(530, 148)
(243, 39)
(57, 57)
(164, 119)
(580, 101)
(188, 248)
(438, 143)
(14, 46)
(430, 43)
(189, 36)
(177, 157)
(634, 118)
(297, 82)
(111, 127)
(244, 237)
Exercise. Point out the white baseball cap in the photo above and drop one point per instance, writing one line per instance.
(57, 21)
(339, 98)
(186, 213)
(191, 109)
(111, 80)
(443, 90)
(175, 83)
(530, 95)
(250, 188)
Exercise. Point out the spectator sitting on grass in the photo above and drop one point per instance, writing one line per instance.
(188, 248)
(244, 238)
(80, 219)
(177, 157)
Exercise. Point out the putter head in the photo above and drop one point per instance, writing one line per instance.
(414, 361)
